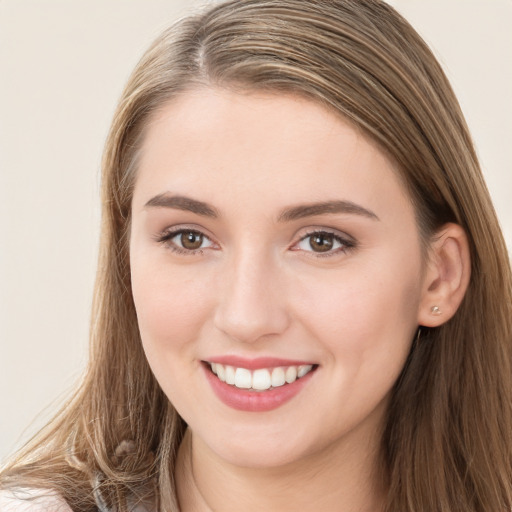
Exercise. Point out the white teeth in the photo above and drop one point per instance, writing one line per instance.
(290, 375)
(278, 378)
(243, 378)
(261, 379)
(305, 368)
(230, 375)
(221, 372)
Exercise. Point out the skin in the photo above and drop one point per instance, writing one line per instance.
(257, 287)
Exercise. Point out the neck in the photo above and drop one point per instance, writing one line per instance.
(339, 479)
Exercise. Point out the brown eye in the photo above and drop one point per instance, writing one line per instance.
(186, 241)
(324, 243)
(191, 240)
(321, 242)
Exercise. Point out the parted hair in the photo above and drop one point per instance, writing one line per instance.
(447, 441)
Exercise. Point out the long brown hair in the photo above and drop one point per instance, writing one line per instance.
(447, 443)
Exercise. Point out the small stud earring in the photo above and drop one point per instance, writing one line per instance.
(435, 310)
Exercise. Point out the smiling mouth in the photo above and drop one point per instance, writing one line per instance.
(262, 379)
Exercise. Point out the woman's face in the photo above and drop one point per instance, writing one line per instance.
(271, 238)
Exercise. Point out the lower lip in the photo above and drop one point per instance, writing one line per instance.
(255, 401)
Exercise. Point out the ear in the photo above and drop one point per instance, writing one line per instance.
(446, 276)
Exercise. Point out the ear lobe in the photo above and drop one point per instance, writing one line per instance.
(446, 276)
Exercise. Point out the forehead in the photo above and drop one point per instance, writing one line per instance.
(249, 119)
(229, 146)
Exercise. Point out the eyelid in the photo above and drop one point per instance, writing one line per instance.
(348, 242)
(165, 237)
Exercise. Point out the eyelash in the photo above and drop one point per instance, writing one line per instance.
(346, 243)
(166, 240)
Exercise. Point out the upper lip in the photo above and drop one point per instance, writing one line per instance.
(256, 363)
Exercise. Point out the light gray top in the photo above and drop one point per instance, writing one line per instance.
(35, 500)
(40, 501)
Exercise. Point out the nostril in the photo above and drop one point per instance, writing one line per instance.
(250, 324)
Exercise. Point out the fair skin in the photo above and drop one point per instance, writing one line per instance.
(230, 261)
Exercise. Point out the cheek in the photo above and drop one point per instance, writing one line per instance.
(172, 308)
(171, 304)
(365, 326)
(365, 316)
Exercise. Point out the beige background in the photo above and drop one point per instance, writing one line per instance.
(62, 67)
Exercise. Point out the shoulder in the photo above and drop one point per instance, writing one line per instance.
(31, 500)
(37, 500)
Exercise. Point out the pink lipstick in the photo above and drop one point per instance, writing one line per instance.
(257, 385)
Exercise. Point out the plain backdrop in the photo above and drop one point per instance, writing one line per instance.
(63, 64)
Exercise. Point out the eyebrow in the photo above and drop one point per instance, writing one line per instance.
(289, 214)
(326, 207)
(183, 203)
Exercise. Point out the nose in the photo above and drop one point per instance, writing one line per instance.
(252, 304)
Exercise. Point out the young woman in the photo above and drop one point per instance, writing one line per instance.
(304, 298)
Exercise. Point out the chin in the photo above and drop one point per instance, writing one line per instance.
(258, 457)
(260, 446)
